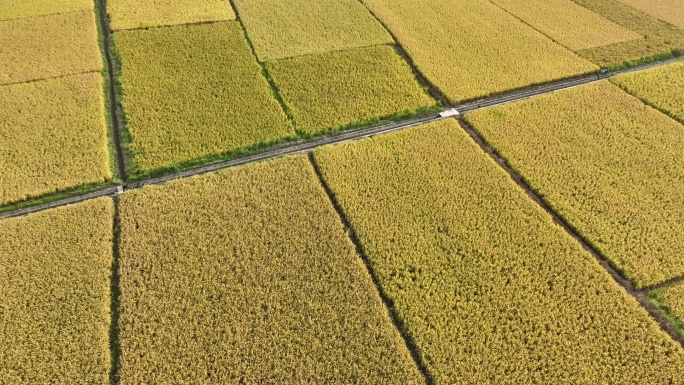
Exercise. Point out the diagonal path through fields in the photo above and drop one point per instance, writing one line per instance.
(306, 145)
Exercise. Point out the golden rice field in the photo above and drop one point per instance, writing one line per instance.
(672, 298)
(129, 14)
(286, 28)
(659, 37)
(567, 23)
(185, 100)
(17, 9)
(670, 11)
(661, 87)
(55, 295)
(608, 164)
(329, 91)
(53, 136)
(48, 46)
(488, 287)
(473, 49)
(247, 276)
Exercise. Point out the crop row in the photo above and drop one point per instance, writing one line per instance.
(53, 131)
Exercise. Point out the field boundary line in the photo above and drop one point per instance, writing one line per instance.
(115, 296)
(360, 252)
(663, 285)
(117, 122)
(639, 295)
(49, 78)
(308, 144)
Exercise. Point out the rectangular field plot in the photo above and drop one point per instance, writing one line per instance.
(671, 299)
(671, 11)
(194, 92)
(55, 271)
(247, 276)
(567, 23)
(470, 49)
(334, 90)
(129, 14)
(659, 37)
(608, 164)
(488, 287)
(53, 136)
(661, 87)
(48, 46)
(286, 28)
(17, 9)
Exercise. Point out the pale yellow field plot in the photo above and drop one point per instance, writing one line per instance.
(607, 163)
(53, 136)
(248, 274)
(128, 14)
(470, 49)
(567, 23)
(17, 9)
(488, 287)
(286, 28)
(661, 87)
(194, 92)
(338, 89)
(55, 269)
(48, 46)
(672, 299)
(671, 11)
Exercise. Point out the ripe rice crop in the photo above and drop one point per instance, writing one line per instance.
(48, 46)
(672, 298)
(659, 37)
(286, 28)
(191, 92)
(488, 287)
(470, 49)
(17, 9)
(128, 14)
(670, 11)
(54, 295)
(660, 87)
(567, 23)
(247, 276)
(608, 164)
(53, 136)
(337, 89)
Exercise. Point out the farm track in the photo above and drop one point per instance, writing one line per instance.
(115, 113)
(306, 145)
(639, 295)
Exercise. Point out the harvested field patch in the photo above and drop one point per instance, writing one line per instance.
(488, 287)
(48, 46)
(194, 92)
(608, 164)
(470, 49)
(248, 274)
(337, 89)
(567, 23)
(661, 87)
(128, 14)
(672, 299)
(53, 136)
(17, 9)
(55, 271)
(286, 28)
(670, 11)
(659, 37)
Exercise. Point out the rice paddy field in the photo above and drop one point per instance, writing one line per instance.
(341, 192)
